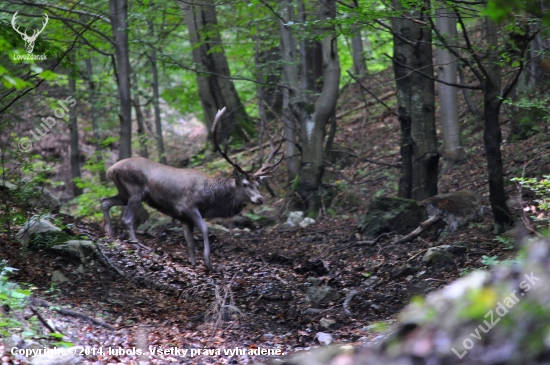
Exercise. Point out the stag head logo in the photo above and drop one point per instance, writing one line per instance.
(29, 40)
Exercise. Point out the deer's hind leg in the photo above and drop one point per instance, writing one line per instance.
(188, 234)
(108, 203)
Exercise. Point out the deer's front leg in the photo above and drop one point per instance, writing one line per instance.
(196, 217)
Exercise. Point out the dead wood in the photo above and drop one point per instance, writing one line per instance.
(418, 231)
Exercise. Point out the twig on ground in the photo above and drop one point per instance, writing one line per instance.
(70, 312)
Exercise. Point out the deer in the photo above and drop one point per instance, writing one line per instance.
(29, 40)
(187, 195)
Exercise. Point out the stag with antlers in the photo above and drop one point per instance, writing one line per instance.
(184, 194)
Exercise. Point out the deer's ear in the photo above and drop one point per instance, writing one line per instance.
(237, 175)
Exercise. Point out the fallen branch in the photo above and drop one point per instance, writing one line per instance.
(43, 320)
(349, 297)
(423, 226)
(70, 312)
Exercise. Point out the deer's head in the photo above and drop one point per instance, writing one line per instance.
(247, 182)
(29, 39)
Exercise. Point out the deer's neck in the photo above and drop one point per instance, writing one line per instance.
(219, 199)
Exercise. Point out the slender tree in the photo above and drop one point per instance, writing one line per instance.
(73, 128)
(312, 111)
(452, 150)
(119, 25)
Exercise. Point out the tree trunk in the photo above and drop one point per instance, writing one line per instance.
(216, 89)
(95, 127)
(142, 137)
(119, 24)
(415, 98)
(452, 150)
(73, 128)
(292, 90)
(358, 54)
(313, 121)
(156, 108)
(492, 135)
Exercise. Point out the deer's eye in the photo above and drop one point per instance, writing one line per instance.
(245, 183)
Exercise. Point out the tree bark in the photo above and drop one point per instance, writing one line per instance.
(292, 89)
(415, 98)
(75, 153)
(358, 54)
(119, 24)
(216, 90)
(492, 135)
(142, 137)
(95, 127)
(314, 120)
(156, 107)
(452, 150)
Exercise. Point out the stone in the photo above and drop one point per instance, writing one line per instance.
(370, 281)
(387, 214)
(324, 338)
(321, 295)
(78, 249)
(59, 278)
(46, 200)
(34, 225)
(327, 323)
(307, 222)
(294, 219)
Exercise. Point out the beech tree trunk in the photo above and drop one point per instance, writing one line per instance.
(142, 137)
(293, 90)
(95, 127)
(452, 150)
(156, 108)
(415, 98)
(216, 90)
(119, 24)
(73, 128)
(358, 54)
(315, 114)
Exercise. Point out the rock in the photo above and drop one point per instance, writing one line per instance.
(314, 281)
(155, 224)
(326, 323)
(456, 209)
(307, 222)
(324, 338)
(391, 215)
(34, 225)
(370, 281)
(319, 295)
(403, 270)
(294, 219)
(46, 200)
(81, 250)
(440, 256)
(59, 278)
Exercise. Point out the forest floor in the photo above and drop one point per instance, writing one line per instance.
(255, 296)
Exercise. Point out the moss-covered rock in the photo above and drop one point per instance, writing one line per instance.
(387, 214)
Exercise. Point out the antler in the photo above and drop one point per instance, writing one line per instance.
(217, 147)
(267, 169)
(36, 33)
(14, 26)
